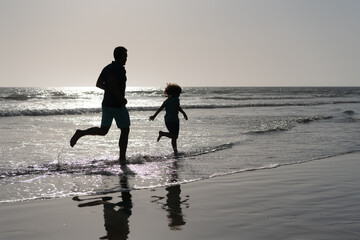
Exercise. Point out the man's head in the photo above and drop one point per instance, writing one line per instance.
(120, 55)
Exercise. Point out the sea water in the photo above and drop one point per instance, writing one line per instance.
(230, 130)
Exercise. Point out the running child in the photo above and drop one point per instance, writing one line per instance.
(172, 108)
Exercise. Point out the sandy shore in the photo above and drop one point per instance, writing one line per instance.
(315, 200)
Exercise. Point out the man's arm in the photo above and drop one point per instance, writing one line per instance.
(101, 83)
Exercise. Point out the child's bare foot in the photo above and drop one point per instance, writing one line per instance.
(74, 138)
(160, 135)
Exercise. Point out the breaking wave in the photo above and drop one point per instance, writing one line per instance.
(287, 124)
(103, 166)
(79, 111)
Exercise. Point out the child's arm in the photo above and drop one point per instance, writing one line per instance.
(151, 118)
(182, 111)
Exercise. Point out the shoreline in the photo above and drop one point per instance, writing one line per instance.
(312, 200)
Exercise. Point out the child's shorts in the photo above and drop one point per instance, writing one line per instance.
(121, 116)
(173, 128)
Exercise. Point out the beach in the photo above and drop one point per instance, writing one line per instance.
(314, 200)
(254, 163)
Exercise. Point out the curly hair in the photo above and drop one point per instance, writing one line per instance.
(172, 90)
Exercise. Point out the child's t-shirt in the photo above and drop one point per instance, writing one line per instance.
(171, 105)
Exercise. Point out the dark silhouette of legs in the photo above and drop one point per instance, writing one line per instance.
(94, 131)
(102, 131)
(173, 140)
(123, 142)
(174, 145)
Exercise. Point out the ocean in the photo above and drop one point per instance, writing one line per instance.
(230, 130)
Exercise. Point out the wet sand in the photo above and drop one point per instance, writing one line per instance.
(314, 200)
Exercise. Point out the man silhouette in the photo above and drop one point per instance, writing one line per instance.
(112, 80)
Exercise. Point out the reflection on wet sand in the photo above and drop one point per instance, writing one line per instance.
(116, 215)
(173, 203)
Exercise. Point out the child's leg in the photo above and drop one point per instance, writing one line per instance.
(162, 134)
(173, 134)
(173, 140)
(173, 129)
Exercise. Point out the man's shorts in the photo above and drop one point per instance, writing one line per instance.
(173, 128)
(121, 116)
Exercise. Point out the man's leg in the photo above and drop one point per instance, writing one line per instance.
(122, 119)
(94, 131)
(123, 142)
(174, 145)
(106, 120)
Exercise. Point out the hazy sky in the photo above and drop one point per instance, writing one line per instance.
(190, 42)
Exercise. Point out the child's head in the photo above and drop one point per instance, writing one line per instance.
(172, 90)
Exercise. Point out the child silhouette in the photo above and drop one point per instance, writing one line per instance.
(172, 108)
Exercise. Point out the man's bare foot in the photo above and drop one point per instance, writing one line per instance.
(74, 138)
(123, 161)
(160, 135)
